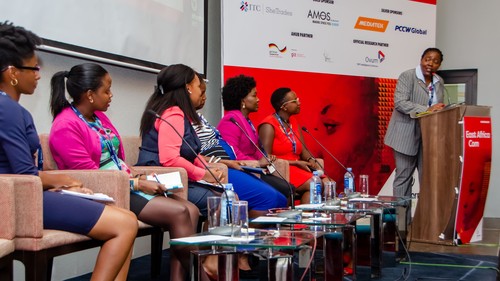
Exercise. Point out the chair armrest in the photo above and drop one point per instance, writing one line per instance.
(283, 167)
(28, 194)
(182, 192)
(113, 183)
(7, 209)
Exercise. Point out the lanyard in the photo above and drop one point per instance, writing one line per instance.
(96, 127)
(289, 134)
(431, 93)
(255, 133)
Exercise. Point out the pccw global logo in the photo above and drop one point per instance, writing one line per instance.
(275, 51)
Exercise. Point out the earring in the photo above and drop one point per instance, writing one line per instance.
(243, 106)
(91, 100)
(14, 82)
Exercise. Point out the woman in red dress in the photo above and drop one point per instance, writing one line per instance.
(279, 133)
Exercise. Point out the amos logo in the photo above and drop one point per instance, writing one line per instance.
(319, 15)
(248, 7)
(322, 17)
(275, 51)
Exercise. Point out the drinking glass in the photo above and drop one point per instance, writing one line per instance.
(330, 188)
(213, 206)
(240, 219)
(363, 185)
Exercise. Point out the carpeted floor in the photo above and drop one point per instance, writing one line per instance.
(423, 266)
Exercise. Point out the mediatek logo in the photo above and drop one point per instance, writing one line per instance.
(371, 24)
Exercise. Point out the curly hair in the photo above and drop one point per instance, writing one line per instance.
(278, 97)
(16, 44)
(236, 89)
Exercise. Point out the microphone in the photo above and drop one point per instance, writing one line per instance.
(305, 146)
(292, 191)
(324, 148)
(223, 230)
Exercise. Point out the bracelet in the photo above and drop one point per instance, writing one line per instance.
(134, 184)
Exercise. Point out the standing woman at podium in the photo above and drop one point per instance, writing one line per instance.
(418, 90)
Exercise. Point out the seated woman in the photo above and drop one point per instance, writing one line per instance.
(175, 98)
(260, 196)
(279, 132)
(239, 97)
(18, 144)
(82, 137)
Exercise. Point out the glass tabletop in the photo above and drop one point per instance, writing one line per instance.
(258, 238)
(331, 219)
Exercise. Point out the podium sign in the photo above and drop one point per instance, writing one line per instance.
(447, 174)
(475, 179)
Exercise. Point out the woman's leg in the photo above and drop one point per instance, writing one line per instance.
(175, 216)
(194, 212)
(118, 228)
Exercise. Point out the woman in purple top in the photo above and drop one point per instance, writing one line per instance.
(239, 97)
(19, 141)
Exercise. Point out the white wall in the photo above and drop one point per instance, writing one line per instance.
(467, 34)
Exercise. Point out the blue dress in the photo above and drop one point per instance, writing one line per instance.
(18, 143)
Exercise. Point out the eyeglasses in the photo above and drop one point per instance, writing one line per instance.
(297, 100)
(34, 68)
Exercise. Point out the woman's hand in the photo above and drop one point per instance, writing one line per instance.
(233, 164)
(151, 187)
(217, 173)
(263, 161)
(301, 164)
(436, 107)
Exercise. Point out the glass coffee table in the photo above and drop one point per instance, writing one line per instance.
(269, 244)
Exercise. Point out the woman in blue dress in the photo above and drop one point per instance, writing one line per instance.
(19, 141)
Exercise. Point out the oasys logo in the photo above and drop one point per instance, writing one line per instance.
(410, 29)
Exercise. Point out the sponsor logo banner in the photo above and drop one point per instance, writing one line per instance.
(371, 24)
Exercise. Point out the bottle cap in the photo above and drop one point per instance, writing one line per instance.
(349, 169)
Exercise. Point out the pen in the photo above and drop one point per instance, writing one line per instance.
(211, 158)
(158, 181)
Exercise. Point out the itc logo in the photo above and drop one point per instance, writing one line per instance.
(248, 7)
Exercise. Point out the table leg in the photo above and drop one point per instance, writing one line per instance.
(376, 242)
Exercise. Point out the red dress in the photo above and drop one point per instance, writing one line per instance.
(287, 146)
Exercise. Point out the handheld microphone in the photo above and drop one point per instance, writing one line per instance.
(324, 148)
(222, 230)
(292, 191)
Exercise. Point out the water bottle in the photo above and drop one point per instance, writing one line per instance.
(315, 189)
(348, 182)
(226, 202)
